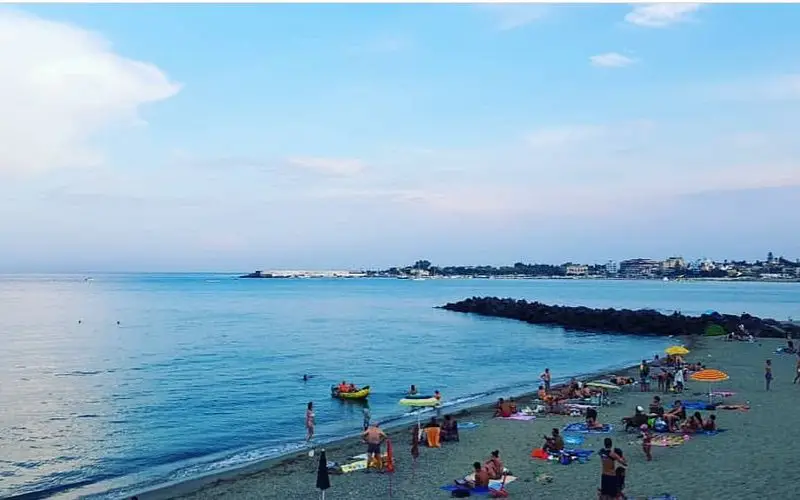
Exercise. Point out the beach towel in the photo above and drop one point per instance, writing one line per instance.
(670, 440)
(580, 427)
(494, 485)
(462, 426)
(698, 405)
(519, 416)
(722, 394)
(433, 435)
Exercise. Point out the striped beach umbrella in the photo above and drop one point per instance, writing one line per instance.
(711, 376)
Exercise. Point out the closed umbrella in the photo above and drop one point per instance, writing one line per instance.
(389, 467)
(711, 376)
(323, 479)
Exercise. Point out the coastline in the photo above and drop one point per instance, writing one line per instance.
(352, 445)
(744, 462)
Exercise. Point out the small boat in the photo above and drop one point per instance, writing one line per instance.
(424, 401)
(418, 396)
(353, 396)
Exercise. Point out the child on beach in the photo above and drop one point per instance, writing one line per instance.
(768, 373)
(647, 441)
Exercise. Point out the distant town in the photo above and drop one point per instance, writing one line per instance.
(672, 268)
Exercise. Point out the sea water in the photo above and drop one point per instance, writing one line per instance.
(204, 372)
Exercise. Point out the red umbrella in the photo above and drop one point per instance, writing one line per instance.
(389, 464)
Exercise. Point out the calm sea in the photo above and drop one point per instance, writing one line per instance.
(203, 372)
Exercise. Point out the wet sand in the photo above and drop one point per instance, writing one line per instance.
(753, 459)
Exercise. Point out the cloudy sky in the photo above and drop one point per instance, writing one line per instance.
(165, 137)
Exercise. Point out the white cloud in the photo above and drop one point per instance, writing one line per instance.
(611, 60)
(59, 86)
(659, 15)
(330, 166)
(513, 16)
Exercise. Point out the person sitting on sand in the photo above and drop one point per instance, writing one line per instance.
(655, 406)
(638, 418)
(449, 429)
(373, 436)
(481, 477)
(675, 415)
(711, 423)
(541, 393)
(591, 419)
(494, 466)
(501, 409)
(512, 405)
(553, 443)
(693, 423)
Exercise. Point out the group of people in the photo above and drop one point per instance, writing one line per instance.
(345, 387)
(491, 469)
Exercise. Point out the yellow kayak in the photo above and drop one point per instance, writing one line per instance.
(419, 402)
(359, 394)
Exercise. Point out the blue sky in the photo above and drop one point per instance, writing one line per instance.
(235, 137)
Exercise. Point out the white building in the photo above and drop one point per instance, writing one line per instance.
(612, 267)
(577, 270)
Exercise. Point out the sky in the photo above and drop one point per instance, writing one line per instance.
(242, 137)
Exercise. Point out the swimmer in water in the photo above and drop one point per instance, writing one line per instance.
(305, 378)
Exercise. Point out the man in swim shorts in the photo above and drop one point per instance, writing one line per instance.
(609, 483)
(374, 436)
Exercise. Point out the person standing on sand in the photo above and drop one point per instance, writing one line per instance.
(797, 369)
(546, 378)
(644, 376)
(309, 421)
(374, 436)
(768, 373)
(609, 484)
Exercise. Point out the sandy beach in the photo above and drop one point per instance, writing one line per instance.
(752, 459)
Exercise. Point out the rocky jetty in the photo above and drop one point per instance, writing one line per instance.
(639, 322)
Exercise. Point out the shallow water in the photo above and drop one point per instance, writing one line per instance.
(204, 371)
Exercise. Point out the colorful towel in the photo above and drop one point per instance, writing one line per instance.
(722, 394)
(463, 426)
(580, 427)
(519, 416)
(669, 440)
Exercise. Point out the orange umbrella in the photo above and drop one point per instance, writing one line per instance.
(710, 376)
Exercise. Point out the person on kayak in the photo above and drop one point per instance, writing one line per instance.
(352, 388)
(413, 390)
(343, 387)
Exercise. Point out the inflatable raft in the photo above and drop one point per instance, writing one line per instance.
(419, 401)
(359, 394)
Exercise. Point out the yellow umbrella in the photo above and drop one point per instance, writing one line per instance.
(710, 376)
(676, 350)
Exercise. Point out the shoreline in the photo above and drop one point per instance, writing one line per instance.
(188, 487)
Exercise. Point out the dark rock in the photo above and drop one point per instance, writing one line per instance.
(639, 322)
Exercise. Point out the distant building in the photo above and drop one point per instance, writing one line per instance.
(673, 265)
(639, 268)
(612, 268)
(577, 270)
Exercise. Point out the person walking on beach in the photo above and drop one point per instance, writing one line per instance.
(546, 379)
(768, 373)
(366, 418)
(309, 421)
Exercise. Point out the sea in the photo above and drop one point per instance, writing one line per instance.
(111, 384)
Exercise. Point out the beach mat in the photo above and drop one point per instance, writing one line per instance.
(520, 417)
(580, 427)
(465, 426)
(494, 484)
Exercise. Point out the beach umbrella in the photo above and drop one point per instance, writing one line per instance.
(676, 350)
(389, 463)
(323, 479)
(711, 376)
